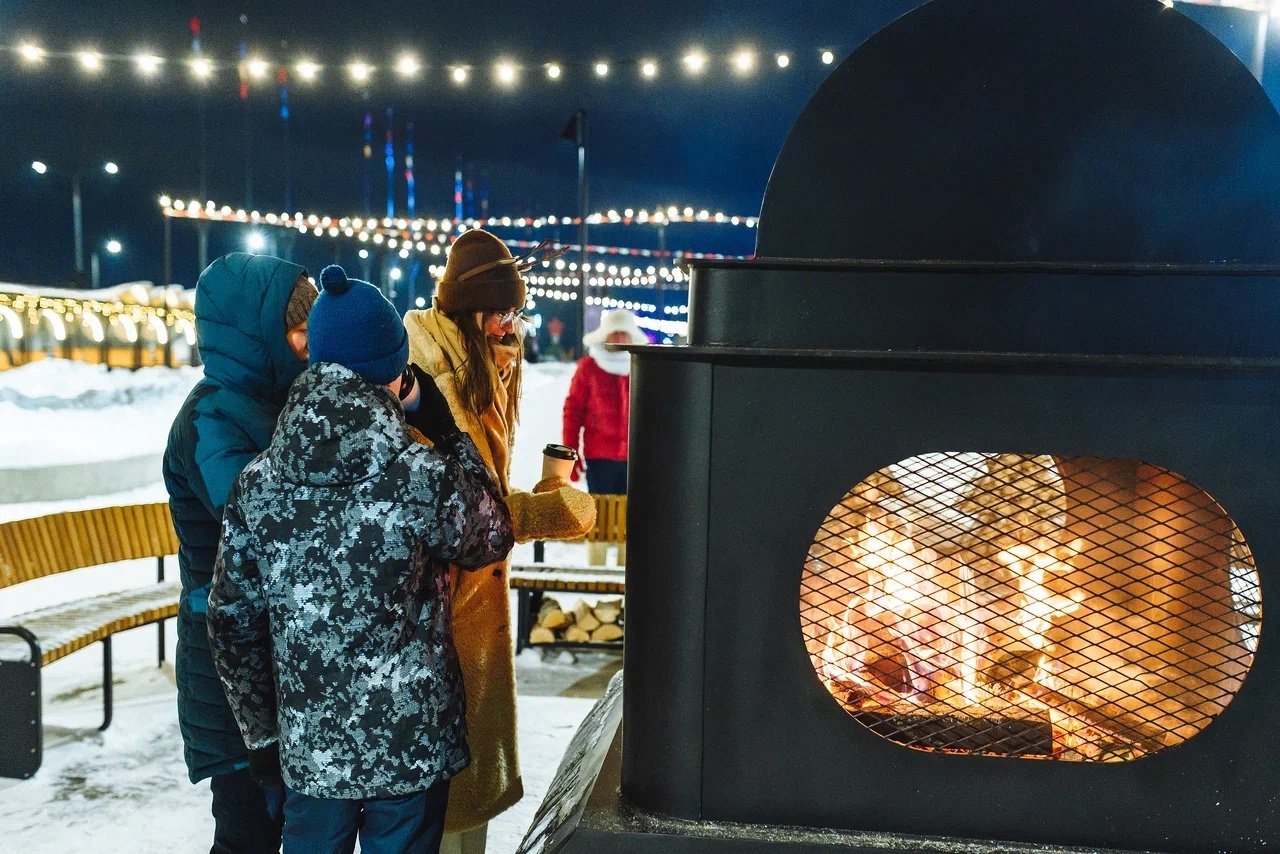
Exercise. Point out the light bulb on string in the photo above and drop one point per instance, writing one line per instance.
(32, 54)
(258, 68)
(505, 72)
(602, 69)
(695, 61)
(307, 70)
(649, 69)
(202, 68)
(148, 64)
(459, 75)
(408, 65)
(90, 60)
(360, 71)
(553, 71)
(828, 57)
(744, 61)
(783, 60)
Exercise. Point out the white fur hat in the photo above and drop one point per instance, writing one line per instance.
(618, 320)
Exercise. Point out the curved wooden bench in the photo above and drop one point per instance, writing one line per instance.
(62, 542)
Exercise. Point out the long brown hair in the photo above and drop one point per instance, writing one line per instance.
(480, 371)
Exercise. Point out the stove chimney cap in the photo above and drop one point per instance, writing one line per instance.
(1016, 130)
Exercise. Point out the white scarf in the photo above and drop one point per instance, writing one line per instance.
(618, 364)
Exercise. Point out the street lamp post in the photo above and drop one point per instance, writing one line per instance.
(77, 209)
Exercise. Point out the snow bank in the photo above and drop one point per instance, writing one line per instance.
(62, 384)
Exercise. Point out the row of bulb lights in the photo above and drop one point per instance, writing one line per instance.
(506, 72)
(61, 314)
(351, 225)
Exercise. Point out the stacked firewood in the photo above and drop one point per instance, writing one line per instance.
(583, 623)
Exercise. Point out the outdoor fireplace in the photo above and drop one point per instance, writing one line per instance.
(950, 529)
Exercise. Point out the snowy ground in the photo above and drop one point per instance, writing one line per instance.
(127, 790)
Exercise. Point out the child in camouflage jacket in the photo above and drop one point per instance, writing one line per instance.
(329, 616)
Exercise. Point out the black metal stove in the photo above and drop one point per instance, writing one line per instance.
(966, 555)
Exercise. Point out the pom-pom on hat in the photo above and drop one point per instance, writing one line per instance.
(352, 324)
(480, 275)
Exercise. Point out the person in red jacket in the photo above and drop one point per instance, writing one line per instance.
(596, 410)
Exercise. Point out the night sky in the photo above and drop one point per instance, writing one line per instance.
(706, 142)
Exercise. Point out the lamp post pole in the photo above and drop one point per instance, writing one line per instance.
(77, 217)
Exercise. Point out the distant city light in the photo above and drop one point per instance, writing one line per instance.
(256, 242)
(783, 60)
(307, 69)
(828, 57)
(110, 168)
(459, 75)
(31, 53)
(258, 69)
(744, 61)
(506, 73)
(90, 60)
(695, 61)
(202, 68)
(148, 64)
(408, 65)
(39, 167)
(114, 247)
(649, 69)
(360, 72)
(602, 69)
(553, 71)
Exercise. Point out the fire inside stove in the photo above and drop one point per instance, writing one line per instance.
(1073, 608)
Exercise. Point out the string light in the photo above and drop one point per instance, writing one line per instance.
(360, 71)
(602, 69)
(258, 68)
(202, 68)
(553, 71)
(459, 75)
(828, 57)
(31, 54)
(744, 61)
(39, 167)
(308, 70)
(110, 168)
(408, 65)
(148, 64)
(695, 62)
(90, 60)
(783, 60)
(506, 73)
(649, 69)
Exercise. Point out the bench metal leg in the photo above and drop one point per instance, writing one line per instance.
(160, 651)
(528, 603)
(106, 684)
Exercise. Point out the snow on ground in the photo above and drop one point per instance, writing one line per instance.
(57, 412)
(127, 790)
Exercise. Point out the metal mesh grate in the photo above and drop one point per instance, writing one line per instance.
(1074, 608)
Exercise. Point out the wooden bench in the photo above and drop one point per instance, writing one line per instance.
(533, 581)
(48, 545)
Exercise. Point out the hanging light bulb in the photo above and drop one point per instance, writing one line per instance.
(408, 65)
(602, 69)
(307, 70)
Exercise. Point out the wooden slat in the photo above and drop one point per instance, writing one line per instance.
(46, 545)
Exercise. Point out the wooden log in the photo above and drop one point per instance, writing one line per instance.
(550, 616)
(608, 612)
(607, 632)
(575, 634)
(539, 635)
(583, 618)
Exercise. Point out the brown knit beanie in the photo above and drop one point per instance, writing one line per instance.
(299, 305)
(480, 275)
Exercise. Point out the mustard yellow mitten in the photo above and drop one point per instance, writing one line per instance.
(561, 514)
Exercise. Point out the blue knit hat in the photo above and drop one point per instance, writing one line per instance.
(354, 325)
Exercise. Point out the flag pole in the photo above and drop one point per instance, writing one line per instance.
(582, 230)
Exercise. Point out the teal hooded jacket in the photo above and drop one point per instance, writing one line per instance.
(226, 421)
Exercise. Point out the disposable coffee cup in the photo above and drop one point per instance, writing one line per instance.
(557, 461)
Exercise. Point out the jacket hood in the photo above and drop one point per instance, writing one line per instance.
(337, 428)
(240, 304)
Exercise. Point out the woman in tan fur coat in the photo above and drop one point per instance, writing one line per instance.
(469, 344)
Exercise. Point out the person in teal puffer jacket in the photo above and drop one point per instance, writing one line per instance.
(251, 329)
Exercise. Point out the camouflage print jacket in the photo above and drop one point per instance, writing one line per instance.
(329, 616)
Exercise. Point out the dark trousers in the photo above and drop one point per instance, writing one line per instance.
(607, 477)
(247, 818)
(413, 824)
